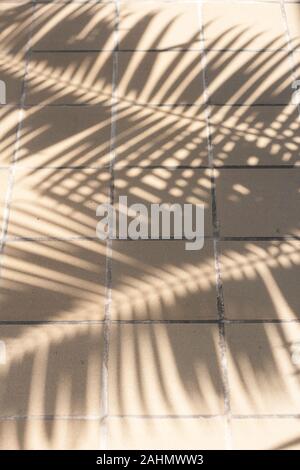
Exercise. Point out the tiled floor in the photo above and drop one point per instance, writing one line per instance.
(143, 344)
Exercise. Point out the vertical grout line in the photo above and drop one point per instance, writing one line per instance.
(290, 47)
(216, 235)
(12, 167)
(109, 250)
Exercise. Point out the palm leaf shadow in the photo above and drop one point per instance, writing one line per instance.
(60, 277)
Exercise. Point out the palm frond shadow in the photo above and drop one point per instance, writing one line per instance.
(55, 369)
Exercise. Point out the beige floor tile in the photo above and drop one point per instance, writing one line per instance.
(166, 433)
(51, 370)
(145, 77)
(256, 135)
(293, 15)
(52, 203)
(263, 368)
(162, 280)
(258, 202)
(161, 185)
(243, 26)
(12, 70)
(49, 435)
(164, 369)
(53, 281)
(155, 25)
(15, 23)
(161, 136)
(69, 78)
(295, 85)
(65, 136)
(4, 176)
(266, 434)
(76, 26)
(260, 279)
(249, 77)
(9, 118)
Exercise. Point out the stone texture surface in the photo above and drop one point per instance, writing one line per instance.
(142, 341)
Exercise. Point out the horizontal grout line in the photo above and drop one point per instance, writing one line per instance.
(166, 49)
(206, 237)
(69, 51)
(146, 105)
(209, 416)
(259, 322)
(251, 2)
(50, 322)
(250, 105)
(207, 167)
(154, 167)
(213, 49)
(147, 322)
(266, 416)
(146, 417)
(253, 167)
(51, 417)
(65, 105)
(170, 416)
(55, 105)
(260, 238)
(83, 51)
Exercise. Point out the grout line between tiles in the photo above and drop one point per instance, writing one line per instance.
(290, 47)
(210, 416)
(149, 105)
(162, 50)
(55, 2)
(155, 167)
(215, 228)
(109, 248)
(226, 321)
(234, 417)
(45, 239)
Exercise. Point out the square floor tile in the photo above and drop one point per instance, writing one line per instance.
(65, 136)
(149, 136)
(15, 23)
(12, 73)
(155, 25)
(243, 26)
(256, 135)
(4, 177)
(69, 78)
(258, 202)
(263, 368)
(261, 280)
(164, 369)
(293, 14)
(295, 85)
(52, 203)
(162, 280)
(164, 186)
(9, 119)
(266, 434)
(145, 77)
(131, 433)
(53, 281)
(77, 26)
(249, 77)
(51, 370)
(58, 434)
